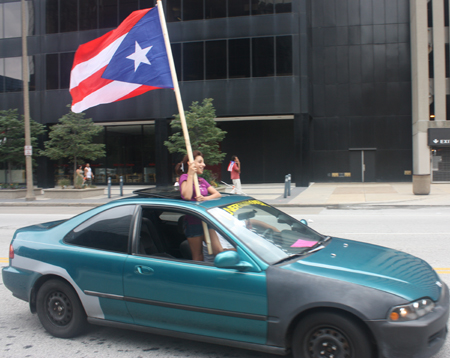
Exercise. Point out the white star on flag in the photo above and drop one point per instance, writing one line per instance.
(139, 55)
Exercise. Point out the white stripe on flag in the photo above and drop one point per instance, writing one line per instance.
(86, 69)
(107, 94)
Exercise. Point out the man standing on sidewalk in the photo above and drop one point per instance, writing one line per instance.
(88, 175)
(236, 175)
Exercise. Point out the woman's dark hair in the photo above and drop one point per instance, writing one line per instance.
(233, 158)
(183, 166)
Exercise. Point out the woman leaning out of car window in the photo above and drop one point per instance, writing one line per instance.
(193, 225)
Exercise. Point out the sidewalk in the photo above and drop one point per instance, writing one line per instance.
(317, 194)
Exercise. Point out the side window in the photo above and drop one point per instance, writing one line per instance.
(108, 230)
(163, 234)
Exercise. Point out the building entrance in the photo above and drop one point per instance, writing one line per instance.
(362, 164)
(440, 165)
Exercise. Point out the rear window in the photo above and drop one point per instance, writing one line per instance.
(109, 230)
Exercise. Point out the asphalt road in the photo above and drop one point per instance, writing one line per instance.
(422, 232)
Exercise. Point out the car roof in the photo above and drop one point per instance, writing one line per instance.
(171, 195)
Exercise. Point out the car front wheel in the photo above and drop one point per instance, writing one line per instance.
(330, 335)
(59, 309)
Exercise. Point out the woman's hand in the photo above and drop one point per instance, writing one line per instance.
(192, 168)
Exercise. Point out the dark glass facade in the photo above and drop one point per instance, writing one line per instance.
(302, 87)
(361, 90)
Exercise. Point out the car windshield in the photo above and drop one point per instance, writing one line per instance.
(267, 231)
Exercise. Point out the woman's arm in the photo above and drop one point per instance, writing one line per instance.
(213, 194)
(187, 186)
(238, 165)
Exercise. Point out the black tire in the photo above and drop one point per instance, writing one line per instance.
(330, 335)
(59, 309)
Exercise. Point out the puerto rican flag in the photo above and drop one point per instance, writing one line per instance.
(230, 166)
(123, 63)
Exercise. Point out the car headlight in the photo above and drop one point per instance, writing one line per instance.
(411, 311)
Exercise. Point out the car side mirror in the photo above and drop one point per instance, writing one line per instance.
(231, 260)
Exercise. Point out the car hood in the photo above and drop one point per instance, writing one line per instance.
(373, 266)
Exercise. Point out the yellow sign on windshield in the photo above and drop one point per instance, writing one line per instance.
(235, 207)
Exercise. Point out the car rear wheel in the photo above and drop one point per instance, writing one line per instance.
(330, 335)
(59, 309)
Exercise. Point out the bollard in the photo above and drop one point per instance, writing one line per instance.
(289, 184)
(121, 185)
(109, 187)
(285, 185)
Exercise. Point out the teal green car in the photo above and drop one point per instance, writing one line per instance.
(278, 287)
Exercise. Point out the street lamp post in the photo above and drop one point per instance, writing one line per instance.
(26, 108)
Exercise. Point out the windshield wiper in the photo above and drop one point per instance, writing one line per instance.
(319, 245)
(316, 247)
(288, 258)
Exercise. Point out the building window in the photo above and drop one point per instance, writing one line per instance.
(11, 74)
(88, 15)
(262, 7)
(108, 14)
(282, 6)
(177, 10)
(192, 10)
(215, 9)
(284, 55)
(173, 10)
(126, 7)
(238, 8)
(52, 73)
(193, 61)
(239, 58)
(68, 16)
(256, 57)
(1, 22)
(12, 19)
(58, 68)
(216, 59)
(65, 15)
(52, 17)
(263, 57)
(176, 55)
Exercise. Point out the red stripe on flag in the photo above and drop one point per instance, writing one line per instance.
(94, 47)
(89, 85)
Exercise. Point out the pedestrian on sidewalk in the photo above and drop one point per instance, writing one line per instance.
(88, 175)
(79, 178)
(235, 169)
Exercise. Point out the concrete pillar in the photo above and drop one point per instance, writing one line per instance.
(420, 89)
(439, 60)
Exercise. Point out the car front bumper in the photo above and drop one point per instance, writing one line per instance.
(420, 338)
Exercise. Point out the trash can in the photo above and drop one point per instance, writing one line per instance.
(421, 184)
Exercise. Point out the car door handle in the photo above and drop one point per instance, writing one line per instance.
(143, 270)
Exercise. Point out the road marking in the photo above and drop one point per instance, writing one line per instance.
(442, 270)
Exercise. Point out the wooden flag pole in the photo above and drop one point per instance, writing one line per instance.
(181, 111)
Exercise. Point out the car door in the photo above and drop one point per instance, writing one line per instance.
(196, 297)
(98, 248)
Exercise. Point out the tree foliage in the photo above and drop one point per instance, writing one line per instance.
(12, 137)
(203, 133)
(72, 138)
